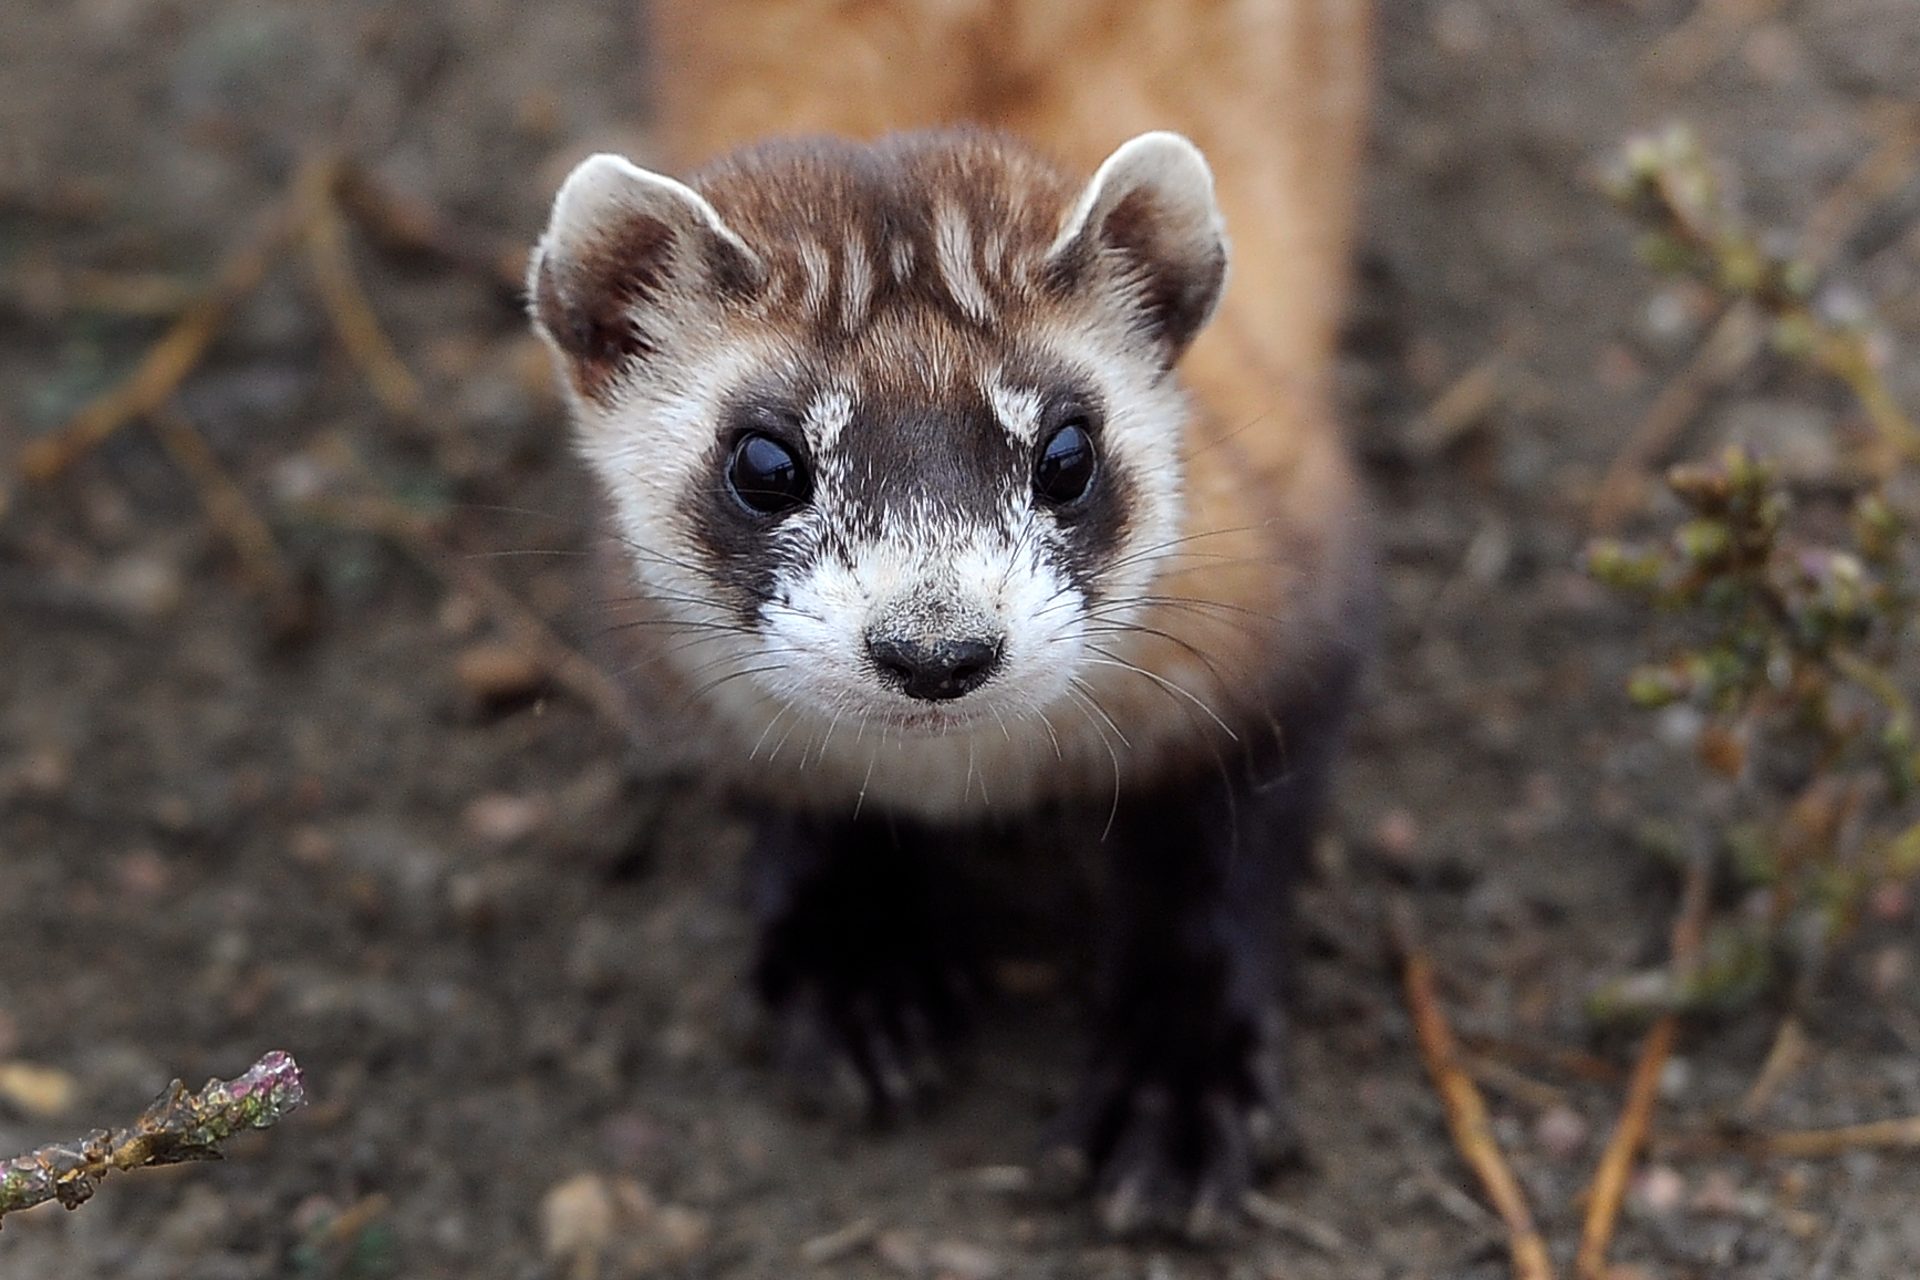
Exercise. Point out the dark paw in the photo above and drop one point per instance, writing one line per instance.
(876, 1039)
(1169, 1143)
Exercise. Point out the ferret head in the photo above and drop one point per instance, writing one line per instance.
(892, 427)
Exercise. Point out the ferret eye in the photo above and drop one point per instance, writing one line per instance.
(766, 476)
(1065, 469)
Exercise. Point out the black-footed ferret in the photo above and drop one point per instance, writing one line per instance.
(959, 464)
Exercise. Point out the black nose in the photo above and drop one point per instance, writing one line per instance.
(935, 671)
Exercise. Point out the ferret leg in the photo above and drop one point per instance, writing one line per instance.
(864, 962)
(1186, 1102)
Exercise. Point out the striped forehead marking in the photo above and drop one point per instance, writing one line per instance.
(1016, 408)
(953, 256)
(826, 418)
(900, 257)
(816, 273)
(949, 255)
(856, 283)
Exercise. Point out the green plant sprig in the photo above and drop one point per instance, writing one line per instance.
(1801, 659)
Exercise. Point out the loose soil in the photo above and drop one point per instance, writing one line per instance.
(508, 953)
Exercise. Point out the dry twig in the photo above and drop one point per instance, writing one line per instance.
(1882, 1135)
(176, 1127)
(1581, 1066)
(233, 515)
(1885, 170)
(409, 227)
(1729, 348)
(1788, 1054)
(1636, 1114)
(1900, 1134)
(170, 360)
(345, 302)
(1669, 184)
(1467, 1117)
(570, 669)
(1706, 36)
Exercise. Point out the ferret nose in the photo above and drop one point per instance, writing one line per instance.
(934, 671)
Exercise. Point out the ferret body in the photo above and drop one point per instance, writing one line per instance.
(958, 482)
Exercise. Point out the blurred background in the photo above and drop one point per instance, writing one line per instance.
(297, 749)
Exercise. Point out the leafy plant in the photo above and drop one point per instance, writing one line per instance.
(1798, 610)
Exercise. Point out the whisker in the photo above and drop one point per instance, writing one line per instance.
(1014, 553)
(515, 553)
(1086, 691)
(1106, 659)
(861, 799)
(711, 685)
(758, 742)
(1113, 813)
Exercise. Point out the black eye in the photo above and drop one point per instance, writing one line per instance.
(1067, 463)
(767, 476)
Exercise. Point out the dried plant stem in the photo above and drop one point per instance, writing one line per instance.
(1706, 36)
(1847, 357)
(1581, 1066)
(1884, 171)
(232, 514)
(311, 213)
(176, 1127)
(1466, 1111)
(1884, 1135)
(1729, 348)
(345, 302)
(569, 668)
(1788, 1053)
(409, 227)
(169, 361)
(1669, 185)
(1636, 1114)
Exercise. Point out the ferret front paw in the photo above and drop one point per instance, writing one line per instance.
(864, 1019)
(1168, 1136)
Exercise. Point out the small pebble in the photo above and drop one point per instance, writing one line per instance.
(1397, 835)
(310, 847)
(495, 673)
(1561, 1132)
(37, 1092)
(669, 1237)
(143, 873)
(902, 1250)
(839, 1244)
(46, 772)
(1890, 971)
(460, 614)
(1718, 1194)
(500, 818)
(576, 1220)
(142, 586)
(1659, 1190)
(1891, 901)
(958, 1260)
(1676, 1077)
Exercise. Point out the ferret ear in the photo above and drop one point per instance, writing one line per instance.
(1148, 220)
(628, 256)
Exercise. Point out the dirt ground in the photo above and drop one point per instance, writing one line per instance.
(508, 957)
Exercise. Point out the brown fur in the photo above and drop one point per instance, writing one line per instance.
(1274, 94)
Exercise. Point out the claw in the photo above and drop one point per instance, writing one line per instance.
(1064, 1170)
(1170, 1150)
(1123, 1211)
(877, 1053)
